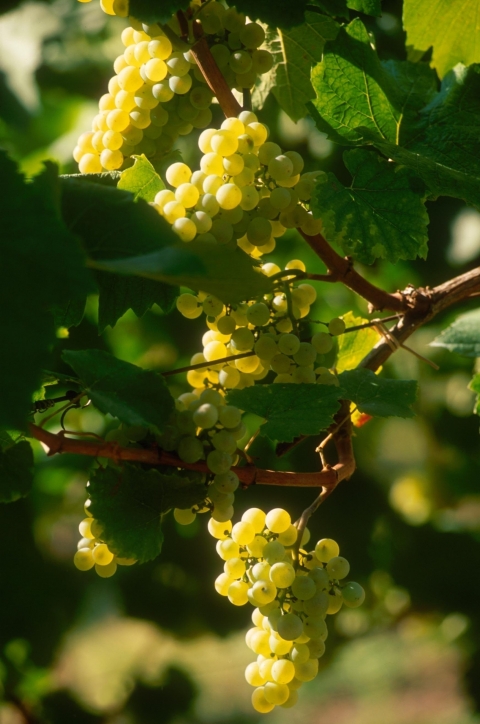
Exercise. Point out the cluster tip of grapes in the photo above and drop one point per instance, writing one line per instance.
(291, 601)
(159, 93)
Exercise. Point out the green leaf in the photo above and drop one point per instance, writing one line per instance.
(112, 225)
(278, 13)
(354, 89)
(354, 346)
(106, 178)
(369, 7)
(295, 52)
(463, 336)
(152, 11)
(450, 26)
(141, 179)
(290, 410)
(380, 216)
(69, 314)
(443, 146)
(130, 502)
(229, 274)
(375, 395)
(42, 266)
(335, 8)
(475, 387)
(16, 468)
(135, 396)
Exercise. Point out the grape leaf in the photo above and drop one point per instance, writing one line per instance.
(354, 346)
(378, 396)
(475, 387)
(16, 468)
(450, 26)
(295, 52)
(443, 146)
(369, 7)
(106, 178)
(229, 274)
(129, 504)
(69, 314)
(463, 336)
(278, 13)
(354, 89)
(42, 266)
(153, 11)
(381, 215)
(141, 179)
(335, 8)
(290, 410)
(135, 396)
(111, 225)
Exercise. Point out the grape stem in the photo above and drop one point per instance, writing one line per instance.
(340, 269)
(248, 475)
(215, 79)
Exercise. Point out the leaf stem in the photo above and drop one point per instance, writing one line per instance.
(215, 79)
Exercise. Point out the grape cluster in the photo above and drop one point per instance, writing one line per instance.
(93, 552)
(152, 99)
(235, 45)
(291, 603)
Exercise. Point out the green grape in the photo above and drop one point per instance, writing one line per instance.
(262, 61)
(252, 35)
(161, 48)
(353, 594)
(184, 228)
(219, 530)
(288, 344)
(335, 602)
(268, 151)
(222, 231)
(338, 567)
(276, 693)
(184, 516)
(222, 584)
(190, 449)
(283, 671)
(326, 549)
(240, 61)
(315, 628)
(274, 552)
(303, 588)
(243, 533)
(250, 198)
(290, 627)
(253, 676)
(202, 221)
(306, 354)
(259, 231)
(229, 416)
(177, 64)
(278, 520)
(227, 549)
(233, 20)
(316, 648)
(255, 548)
(219, 462)
(299, 654)
(307, 670)
(209, 204)
(180, 84)
(336, 326)
(237, 593)
(317, 605)
(282, 574)
(83, 559)
(259, 702)
(205, 416)
(322, 342)
(235, 567)
(221, 54)
(106, 571)
(280, 168)
(263, 592)
(258, 314)
(224, 441)
(228, 196)
(178, 173)
(222, 515)
(242, 339)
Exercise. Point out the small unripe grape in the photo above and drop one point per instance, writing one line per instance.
(290, 627)
(326, 549)
(288, 344)
(353, 594)
(322, 342)
(336, 326)
(303, 588)
(338, 567)
(184, 516)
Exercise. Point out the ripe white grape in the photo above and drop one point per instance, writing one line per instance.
(184, 516)
(278, 520)
(259, 702)
(282, 574)
(106, 571)
(283, 671)
(326, 549)
(274, 552)
(338, 567)
(83, 559)
(237, 593)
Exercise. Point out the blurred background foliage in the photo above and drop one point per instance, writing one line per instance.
(156, 644)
